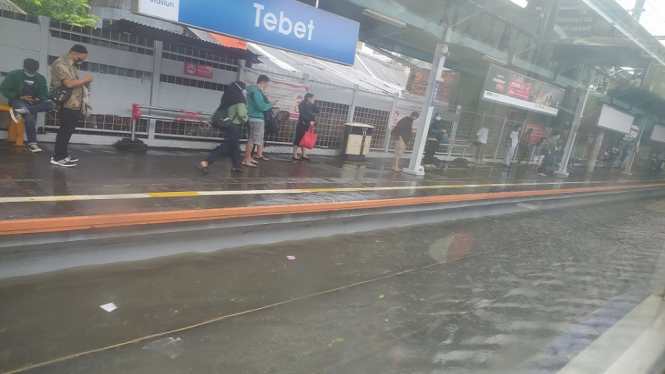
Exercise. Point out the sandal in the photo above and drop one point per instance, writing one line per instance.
(204, 169)
(249, 165)
(305, 158)
(263, 158)
(295, 158)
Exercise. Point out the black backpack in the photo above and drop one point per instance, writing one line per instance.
(269, 116)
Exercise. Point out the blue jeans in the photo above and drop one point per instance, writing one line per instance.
(30, 119)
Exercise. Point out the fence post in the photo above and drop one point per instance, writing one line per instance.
(352, 108)
(44, 24)
(391, 119)
(498, 143)
(154, 90)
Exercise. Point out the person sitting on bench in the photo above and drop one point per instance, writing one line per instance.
(28, 95)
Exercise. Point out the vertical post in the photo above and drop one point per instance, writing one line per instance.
(352, 108)
(154, 88)
(391, 120)
(597, 142)
(44, 24)
(629, 165)
(133, 137)
(453, 132)
(498, 143)
(428, 106)
(572, 136)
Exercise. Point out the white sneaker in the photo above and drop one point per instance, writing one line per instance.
(16, 116)
(70, 159)
(63, 163)
(34, 148)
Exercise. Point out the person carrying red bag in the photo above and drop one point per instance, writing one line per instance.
(307, 110)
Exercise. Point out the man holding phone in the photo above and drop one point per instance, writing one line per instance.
(28, 95)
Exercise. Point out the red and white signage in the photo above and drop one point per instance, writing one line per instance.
(539, 133)
(287, 95)
(197, 70)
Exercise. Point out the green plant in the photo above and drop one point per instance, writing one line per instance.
(73, 12)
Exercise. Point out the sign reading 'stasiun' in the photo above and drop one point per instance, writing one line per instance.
(285, 24)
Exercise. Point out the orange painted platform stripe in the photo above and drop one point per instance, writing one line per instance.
(58, 224)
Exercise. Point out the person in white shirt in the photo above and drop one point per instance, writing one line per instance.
(481, 142)
(512, 145)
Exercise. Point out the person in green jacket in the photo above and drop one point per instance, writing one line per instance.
(28, 95)
(257, 103)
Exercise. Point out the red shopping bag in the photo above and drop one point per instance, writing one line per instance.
(309, 139)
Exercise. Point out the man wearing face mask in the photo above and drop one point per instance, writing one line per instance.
(28, 95)
(64, 72)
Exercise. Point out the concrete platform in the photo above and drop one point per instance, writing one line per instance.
(107, 181)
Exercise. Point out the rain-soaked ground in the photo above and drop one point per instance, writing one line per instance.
(102, 170)
(514, 294)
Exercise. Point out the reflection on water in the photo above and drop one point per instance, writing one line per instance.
(503, 295)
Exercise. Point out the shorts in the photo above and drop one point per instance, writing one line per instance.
(257, 128)
(400, 147)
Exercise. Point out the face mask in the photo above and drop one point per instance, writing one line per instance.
(438, 118)
(30, 75)
(244, 92)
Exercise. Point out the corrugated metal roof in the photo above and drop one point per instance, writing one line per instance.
(8, 5)
(369, 74)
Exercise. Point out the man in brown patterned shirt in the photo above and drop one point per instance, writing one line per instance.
(64, 72)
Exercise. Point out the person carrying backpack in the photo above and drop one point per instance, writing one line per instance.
(234, 105)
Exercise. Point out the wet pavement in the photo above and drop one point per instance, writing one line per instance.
(514, 294)
(104, 171)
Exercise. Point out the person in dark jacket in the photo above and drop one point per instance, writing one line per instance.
(307, 118)
(402, 135)
(234, 101)
(27, 93)
(435, 136)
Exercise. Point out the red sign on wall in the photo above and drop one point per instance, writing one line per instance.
(197, 70)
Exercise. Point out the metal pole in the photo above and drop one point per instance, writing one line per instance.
(352, 108)
(498, 143)
(570, 143)
(629, 165)
(133, 130)
(428, 107)
(453, 132)
(391, 120)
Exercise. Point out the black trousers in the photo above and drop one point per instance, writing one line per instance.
(68, 119)
(230, 148)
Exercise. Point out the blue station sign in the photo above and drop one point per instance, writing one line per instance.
(284, 24)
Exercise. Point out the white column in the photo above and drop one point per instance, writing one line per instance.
(428, 107)
(154, 90)
(391, 119)
(572, 136)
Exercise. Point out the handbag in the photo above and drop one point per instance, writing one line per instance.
(60, 95)
(86, 108)
(309, 139)
(220, 119)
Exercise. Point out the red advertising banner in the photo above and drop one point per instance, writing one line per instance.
(197, 70)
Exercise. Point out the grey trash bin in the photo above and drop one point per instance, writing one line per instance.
(357, 140)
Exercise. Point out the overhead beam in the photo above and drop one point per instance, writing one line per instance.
(393, 10)
(382, 32)
(398, 59)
